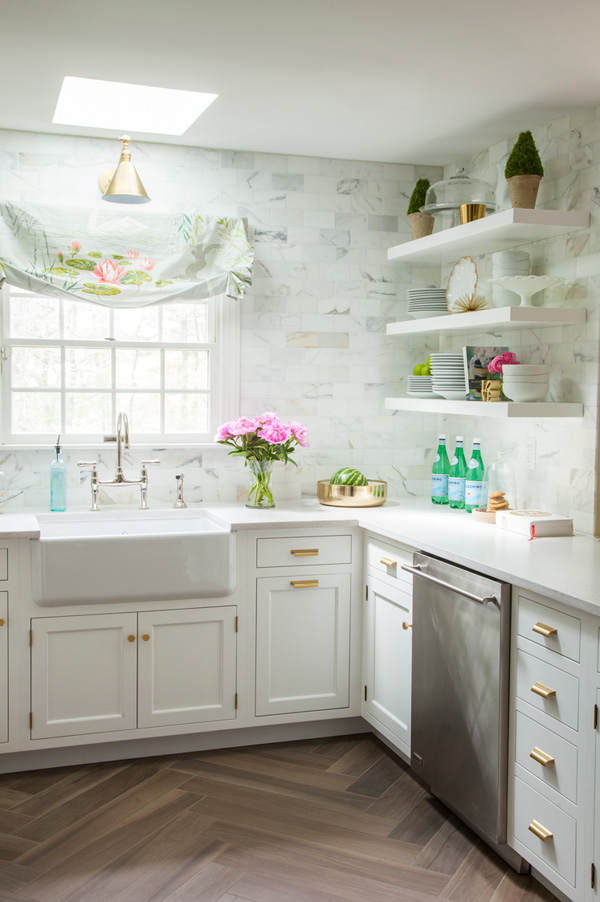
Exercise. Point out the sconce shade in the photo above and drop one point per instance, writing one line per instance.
(124, 184)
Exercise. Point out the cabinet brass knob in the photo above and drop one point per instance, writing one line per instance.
(131, 638)
(544, 630)
(539, 831)
(304, 552)
(145, 637)
(406, 626)
(388, 562)
(304, 583)
(2, 621)
(541, 757)
(544, 691)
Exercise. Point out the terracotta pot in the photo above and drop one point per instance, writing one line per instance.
(523, 190)
(421, 224)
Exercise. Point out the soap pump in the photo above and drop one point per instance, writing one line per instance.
(58, 481)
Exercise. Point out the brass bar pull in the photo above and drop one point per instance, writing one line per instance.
(145, 637)
(304, 583)
(406, 626)
(304, 552)
(388, 562)
(542, 690)
(131, 638)
(541, 757)
(544, 630)
(539, 831)
(2, 621)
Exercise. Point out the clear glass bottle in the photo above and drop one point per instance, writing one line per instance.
(499, 489)
(474, 479)
(456, 479)
(439, 474)
(58, 481)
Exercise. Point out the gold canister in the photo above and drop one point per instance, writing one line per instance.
(371, 495)
(471, 212)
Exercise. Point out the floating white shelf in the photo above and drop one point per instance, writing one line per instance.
(499, 409)
(497, 232)
(495, 318)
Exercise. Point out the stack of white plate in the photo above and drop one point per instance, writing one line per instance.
(424, 302)
(420, 387)
(448, 373)
(508, 263)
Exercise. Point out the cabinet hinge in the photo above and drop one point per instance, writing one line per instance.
(593, 875)
(595, 717)
(236, 701)
(236, 624)
(365, 693)
(366, 593)
(31, 720)
(30, 638)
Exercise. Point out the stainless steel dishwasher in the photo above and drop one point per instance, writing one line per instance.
(461, 637)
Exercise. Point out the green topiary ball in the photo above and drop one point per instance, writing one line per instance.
(524, 159)
(417, 198)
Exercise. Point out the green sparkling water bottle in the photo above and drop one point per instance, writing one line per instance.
(456, 480)
(474, 480)
(439, 474)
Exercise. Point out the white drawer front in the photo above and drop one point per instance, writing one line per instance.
(383, 557)
(303, 551)
(3, 563)
(563, 703)
(557, 851)
(535, 620)
(560, 773)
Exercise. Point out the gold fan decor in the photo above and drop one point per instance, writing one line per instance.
(467, 303)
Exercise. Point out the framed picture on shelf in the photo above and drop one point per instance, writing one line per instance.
(476, 360)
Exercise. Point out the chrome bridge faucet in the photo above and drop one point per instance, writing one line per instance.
(122, 438)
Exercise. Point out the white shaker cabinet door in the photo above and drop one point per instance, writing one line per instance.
(187, 666)
(83, 674)
(3, 666)
(388, 659)
(302, 643)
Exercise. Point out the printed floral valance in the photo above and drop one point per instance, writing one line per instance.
(113, 259)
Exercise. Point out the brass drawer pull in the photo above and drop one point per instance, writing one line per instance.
(540, 831)
(304, 552)
(541, 757)
(2, 621)
(388, 562)
(542, 690)
(406, 626)
(130, 638)
(304, 583)
(544, 630)
(145, 637)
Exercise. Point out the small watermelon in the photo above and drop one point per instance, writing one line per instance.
(348, 476)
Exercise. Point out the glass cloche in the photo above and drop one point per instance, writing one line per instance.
(445, 197)
(499, 485)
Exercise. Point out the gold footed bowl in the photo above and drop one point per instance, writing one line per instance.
(371, 495)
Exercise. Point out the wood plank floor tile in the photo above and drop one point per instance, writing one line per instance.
(11, 846)
(401, 797)
(37, 780)
(14, 823)
(337, 746)
(378, 778)
(11, 797)
(229, 898)
(210, 885)
(358, 760)
(268, 888)
(477, 877)
(14, 876)
(295, 773)
(296, 756)
(447, 849)
(62, 790)
(422, 822)
(521, 888)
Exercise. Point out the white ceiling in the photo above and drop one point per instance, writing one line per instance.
(412, 82)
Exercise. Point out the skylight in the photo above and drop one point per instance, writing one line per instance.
(114, 105)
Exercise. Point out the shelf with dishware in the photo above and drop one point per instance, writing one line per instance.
(499, 231)
(499, 410)
(493, 318)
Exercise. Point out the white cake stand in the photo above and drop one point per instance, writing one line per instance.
(527, 286)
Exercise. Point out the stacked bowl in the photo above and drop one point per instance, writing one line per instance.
(424, 302)
(508, 263)
(524, 382)
(448, 374)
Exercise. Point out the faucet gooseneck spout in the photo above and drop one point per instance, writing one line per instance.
(122, 440)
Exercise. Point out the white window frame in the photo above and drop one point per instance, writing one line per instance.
(223, 377)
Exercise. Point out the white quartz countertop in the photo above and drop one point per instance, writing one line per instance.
(566, 569)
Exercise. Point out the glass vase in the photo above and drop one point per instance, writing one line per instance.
(260, 494)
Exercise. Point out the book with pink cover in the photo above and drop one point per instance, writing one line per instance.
(476, 360)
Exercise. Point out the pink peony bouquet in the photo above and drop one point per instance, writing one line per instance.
(263, 438)
(495, 365)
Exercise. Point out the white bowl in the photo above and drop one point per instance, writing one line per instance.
(522, 380)
(525, 369)
(525, 393)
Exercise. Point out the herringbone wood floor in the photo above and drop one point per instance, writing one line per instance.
(312, 821)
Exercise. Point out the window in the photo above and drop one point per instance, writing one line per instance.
(69, 367)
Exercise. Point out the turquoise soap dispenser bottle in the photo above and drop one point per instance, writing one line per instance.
(58, 481)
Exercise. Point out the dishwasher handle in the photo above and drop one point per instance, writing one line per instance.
(418, 572)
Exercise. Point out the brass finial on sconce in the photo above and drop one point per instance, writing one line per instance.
(123, 185)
